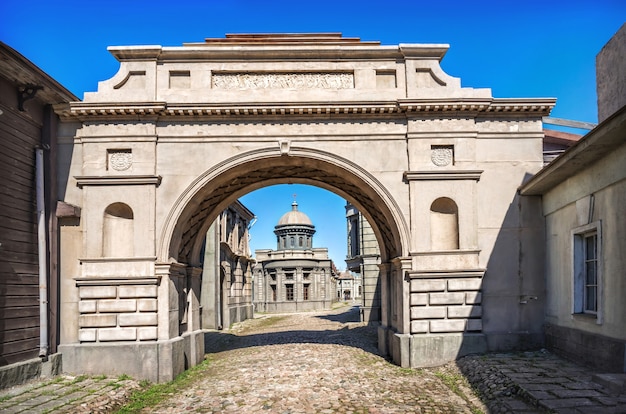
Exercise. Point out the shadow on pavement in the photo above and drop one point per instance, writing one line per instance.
(351, 315)
(358, 336)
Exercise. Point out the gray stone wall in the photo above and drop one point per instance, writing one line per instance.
(611, 75)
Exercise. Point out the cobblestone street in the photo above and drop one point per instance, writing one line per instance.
(327, 362)
(314, 363)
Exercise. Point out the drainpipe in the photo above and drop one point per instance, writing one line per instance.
(42, 251)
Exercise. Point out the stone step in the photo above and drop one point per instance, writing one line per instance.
(614, 382)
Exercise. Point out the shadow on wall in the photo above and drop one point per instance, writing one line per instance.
(513, 292)
(513, 288)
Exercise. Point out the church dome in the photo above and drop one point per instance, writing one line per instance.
(294, 217)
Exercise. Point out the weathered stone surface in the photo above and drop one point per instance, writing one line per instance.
(428, 312)
(117, 334)
(137, 319)
(97, 292)
(97, 320)
(115, 306)
(447, 298)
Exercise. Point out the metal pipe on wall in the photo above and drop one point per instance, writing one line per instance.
(42, 253)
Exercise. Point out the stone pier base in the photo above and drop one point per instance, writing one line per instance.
(158, 361)
(434, 350)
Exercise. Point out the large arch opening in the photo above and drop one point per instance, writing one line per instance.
(212, 192)
(183, 238)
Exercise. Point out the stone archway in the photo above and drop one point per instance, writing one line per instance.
(199, 204)
(181, 132)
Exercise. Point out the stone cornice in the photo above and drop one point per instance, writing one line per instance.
(114, 281)
(443, 175)
(471, 107)
(444, 274)
(82, 181)
(117, 259)
(278, 51)
(477, 106)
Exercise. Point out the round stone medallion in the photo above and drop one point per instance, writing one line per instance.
(121, 161)
(441, 156)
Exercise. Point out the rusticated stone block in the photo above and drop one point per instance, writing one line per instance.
(87, 335)
(447, 298)
(428, 312)
(97, 292)
(117, 334)
(137, 319)
(147, 305)
(427, 285)
(97, 321)
(147, 334)
(138, 291)
(419, 326)
(447, 326)
(87, 306)
(120, 305)
(473, 298)
(419, 299)
(465, 311)
(464, 284)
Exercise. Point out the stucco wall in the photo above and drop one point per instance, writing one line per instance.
(566, 208)
(611, 75)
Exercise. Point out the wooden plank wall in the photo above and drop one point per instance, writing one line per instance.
(19, 277)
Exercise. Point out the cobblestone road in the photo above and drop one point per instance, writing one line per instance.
(315, 363)
(325, 362)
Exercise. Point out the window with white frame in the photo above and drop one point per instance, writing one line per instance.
(587, 252)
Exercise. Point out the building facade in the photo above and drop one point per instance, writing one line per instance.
(226, 290)
(296, 276)
(29, 213)
(583, 194)
(349, 287)
(362, 260)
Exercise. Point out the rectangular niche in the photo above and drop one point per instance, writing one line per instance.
(442, 155)
(119, 159)
(386, 79)
(180, 79)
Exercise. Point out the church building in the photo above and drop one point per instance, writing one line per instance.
(296, 276)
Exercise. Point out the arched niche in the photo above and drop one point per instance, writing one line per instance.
(118, 234)
(444, 224)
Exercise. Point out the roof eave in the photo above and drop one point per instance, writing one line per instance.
(603, 139)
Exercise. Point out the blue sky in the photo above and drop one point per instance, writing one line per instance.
(532, 48)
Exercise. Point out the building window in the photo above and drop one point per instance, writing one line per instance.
(273, 293)
(300, 241)
(289, 292)
(305, 292)
(289, 276)
(292, 241)
(587, 253)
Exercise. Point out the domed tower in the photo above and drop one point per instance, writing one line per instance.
(294, 230)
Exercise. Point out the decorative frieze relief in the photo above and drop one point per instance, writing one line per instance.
(305, 80)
